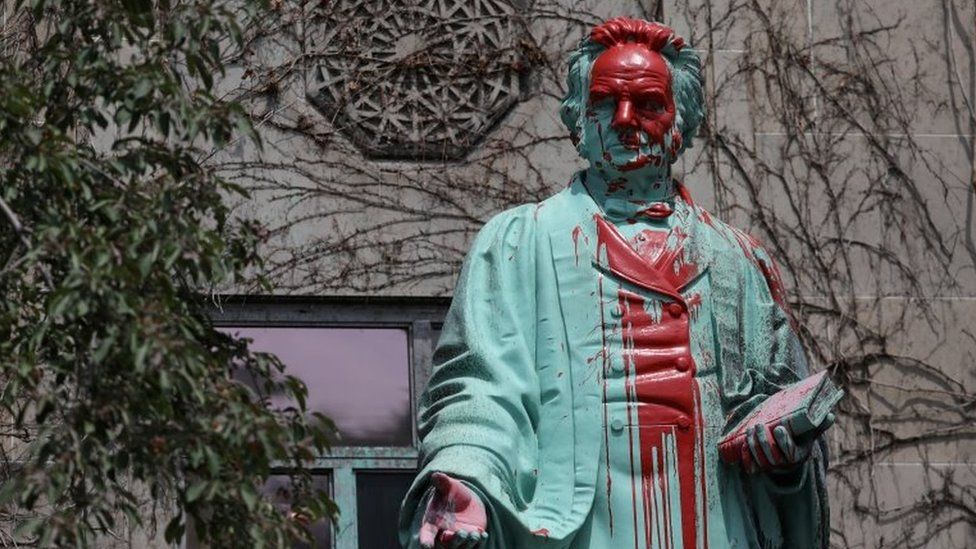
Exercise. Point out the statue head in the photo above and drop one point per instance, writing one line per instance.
(634, 99)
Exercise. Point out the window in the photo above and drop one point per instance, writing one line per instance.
(378, 497)
(359, 377)
(365, 362)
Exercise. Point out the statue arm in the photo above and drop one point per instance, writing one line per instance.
(790, 499)
(478, 413)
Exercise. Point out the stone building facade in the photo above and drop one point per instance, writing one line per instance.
(840, 133)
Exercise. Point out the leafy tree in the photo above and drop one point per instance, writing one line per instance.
(115, 389)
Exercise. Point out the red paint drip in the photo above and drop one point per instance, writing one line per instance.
(662, 386)
(694, 304)
(577, 231)
(665, 397)
(675, 143)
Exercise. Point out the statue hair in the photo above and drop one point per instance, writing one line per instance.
(683, 62)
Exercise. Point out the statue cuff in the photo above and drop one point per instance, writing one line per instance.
(470, 464)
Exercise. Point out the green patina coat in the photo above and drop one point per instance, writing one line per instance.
(514, 406)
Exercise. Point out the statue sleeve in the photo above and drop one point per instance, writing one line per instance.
(787, 509)
(477, 417)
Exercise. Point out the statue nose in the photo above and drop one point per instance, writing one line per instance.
(624, 117)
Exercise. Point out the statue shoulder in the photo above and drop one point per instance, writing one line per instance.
(733, 240)
(761, 262)
(508, 228)
(531, 217)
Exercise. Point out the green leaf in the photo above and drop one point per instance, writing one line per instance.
(111, 369)
(194, 492)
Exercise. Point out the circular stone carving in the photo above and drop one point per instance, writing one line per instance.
(417, 79)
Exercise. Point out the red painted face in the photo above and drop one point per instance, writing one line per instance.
(639, 82)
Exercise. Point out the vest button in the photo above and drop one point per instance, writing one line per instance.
(682, 364)
(684, 422)
(617, 425)
(675, 309)
(618, 367)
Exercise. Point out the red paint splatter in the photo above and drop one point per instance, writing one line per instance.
(683, 193)
(617, 184)
(706, 218)
(641, 161)
(649, 244)
(675, 143)
(662, 388)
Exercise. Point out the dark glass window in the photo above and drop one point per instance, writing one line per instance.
(378, 495)
(278, 490)
(358, 377)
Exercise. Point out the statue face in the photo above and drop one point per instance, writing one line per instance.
(630, 111)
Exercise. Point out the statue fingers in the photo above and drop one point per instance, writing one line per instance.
(785, 441)
(769, 447)
(752, 442)
(795, 453)
(475, 533)
(467, 540)
(748, 463)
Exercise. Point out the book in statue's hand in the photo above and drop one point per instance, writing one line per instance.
(802, 407)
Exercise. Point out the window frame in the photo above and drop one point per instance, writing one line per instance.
(421, 317)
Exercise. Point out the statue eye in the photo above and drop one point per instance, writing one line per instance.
(650, 105)
(597, 95)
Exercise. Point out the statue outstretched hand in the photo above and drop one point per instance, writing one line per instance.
(455, 516)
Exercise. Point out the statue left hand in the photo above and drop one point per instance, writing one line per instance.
(779, 452)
